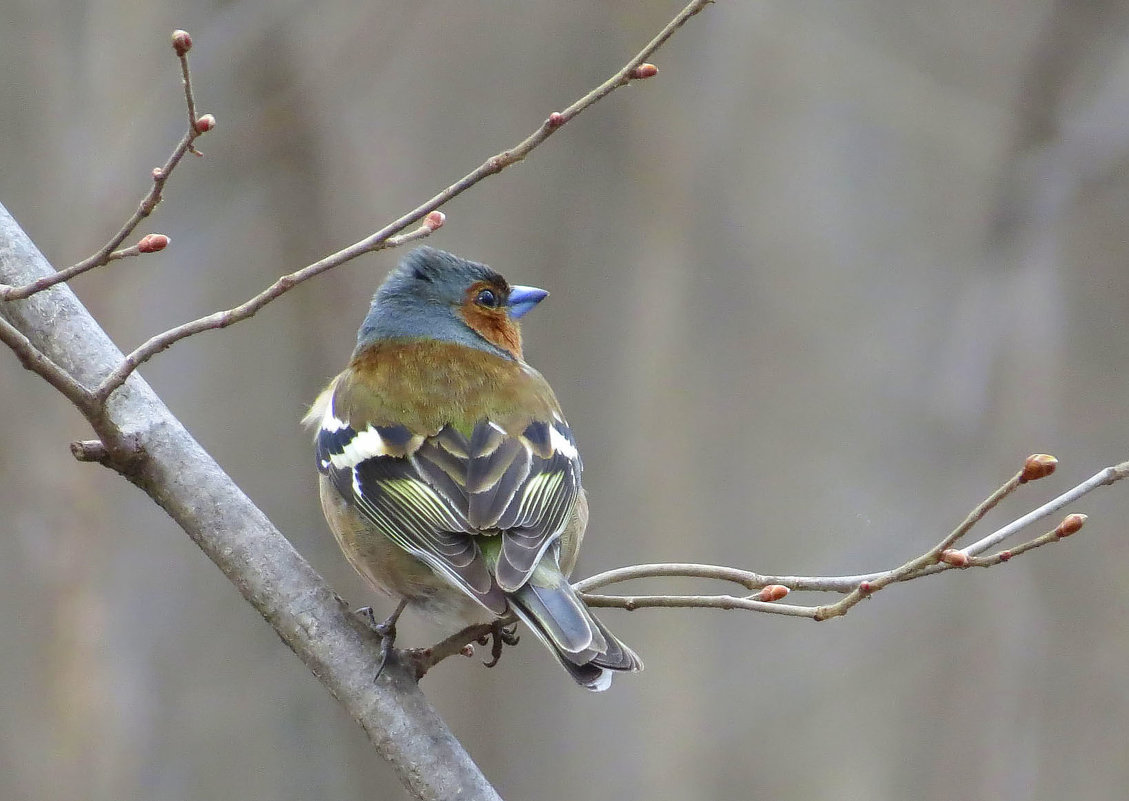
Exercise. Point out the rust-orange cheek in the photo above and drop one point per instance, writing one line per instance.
(495, 326)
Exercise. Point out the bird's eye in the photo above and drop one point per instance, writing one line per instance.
(487, 298)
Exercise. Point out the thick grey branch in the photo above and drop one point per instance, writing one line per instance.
(154, 451)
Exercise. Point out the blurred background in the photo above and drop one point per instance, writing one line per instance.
(816, 289)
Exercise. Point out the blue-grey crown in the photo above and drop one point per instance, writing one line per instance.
(419, 299)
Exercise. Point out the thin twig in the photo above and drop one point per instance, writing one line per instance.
(32, 359)
(379, 240)
(633, 602)
(1102, 478)
(109, 252)
(1070, 525)
(181, 44)
(222, 319)
(977, 514)
(936, 560)
(747, 579)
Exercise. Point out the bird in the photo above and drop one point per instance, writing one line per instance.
(447, 472)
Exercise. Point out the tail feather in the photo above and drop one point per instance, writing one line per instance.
(583, 645)
(566, 620)
(617, 656)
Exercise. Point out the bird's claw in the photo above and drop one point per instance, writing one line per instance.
(500, 634)
(386, 629)
(366, 614)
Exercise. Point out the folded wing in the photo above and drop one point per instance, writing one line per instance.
(437, 496)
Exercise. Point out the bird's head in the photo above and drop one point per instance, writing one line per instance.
(433, 295)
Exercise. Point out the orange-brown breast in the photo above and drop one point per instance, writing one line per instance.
(427, 384)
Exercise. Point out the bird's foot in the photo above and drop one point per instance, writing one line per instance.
(366, 614)
(501, 633)
(386, 629)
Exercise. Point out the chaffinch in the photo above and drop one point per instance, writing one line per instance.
(448, 473)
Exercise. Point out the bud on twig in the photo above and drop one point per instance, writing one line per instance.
(954, 557)
(152, 243)
(205, 123)
(556, 120)
(1071, 524)
(434, 220)
(1038, 465)
(181, 42)
(645, 71)
(773, 592)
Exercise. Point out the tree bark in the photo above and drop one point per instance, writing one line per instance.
(150, 447)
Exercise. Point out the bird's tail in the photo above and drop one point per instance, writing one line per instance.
(581, 643)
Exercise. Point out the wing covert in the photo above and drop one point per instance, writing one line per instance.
(436, 496)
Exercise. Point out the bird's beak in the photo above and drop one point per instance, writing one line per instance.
(524, 298)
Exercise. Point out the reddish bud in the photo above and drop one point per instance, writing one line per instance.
(954, 557)
(205, 123)
(556, 120)
(1005, 555)
(158, 173)
(434, 220)
(645, 71)
(865, 588)
(151, 243)
(773, 592)
(181, 42)
(1038, 465)
(1070, 524)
